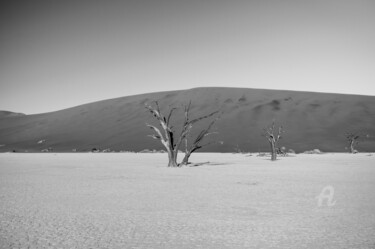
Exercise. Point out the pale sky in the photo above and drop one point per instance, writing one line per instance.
(59, 54)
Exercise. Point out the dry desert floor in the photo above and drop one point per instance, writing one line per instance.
(124, 200)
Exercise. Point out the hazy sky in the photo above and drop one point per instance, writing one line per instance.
(58, 54)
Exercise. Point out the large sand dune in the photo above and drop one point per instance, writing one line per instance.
(311, 120)
(234, 201)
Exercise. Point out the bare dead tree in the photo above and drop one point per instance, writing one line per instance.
(273, 138)
(170, 141)
(197, 142)
(352, 138)
(168, 138)
(237, 148)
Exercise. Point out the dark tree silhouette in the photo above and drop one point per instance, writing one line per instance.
(169, 139)
(197, 142)
(273, 138)
(352, 138)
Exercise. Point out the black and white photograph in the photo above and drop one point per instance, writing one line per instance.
(183, 124)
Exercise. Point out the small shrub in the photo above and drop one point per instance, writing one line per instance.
(291, 151)
(314, 151)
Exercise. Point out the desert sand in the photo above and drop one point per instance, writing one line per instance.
(120, 200)
(310, 120)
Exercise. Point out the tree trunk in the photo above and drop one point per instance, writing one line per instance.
(352, 146)
(273, 152)
(172, 159)
(185, 161)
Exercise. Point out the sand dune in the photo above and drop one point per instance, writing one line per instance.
(311, 120)
(5, 114)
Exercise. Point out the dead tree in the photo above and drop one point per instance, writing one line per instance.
(352, 138)
(168, 138)
(197, 142)
(273, 138)
(170, 141)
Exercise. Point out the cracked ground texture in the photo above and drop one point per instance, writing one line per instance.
(124, 200)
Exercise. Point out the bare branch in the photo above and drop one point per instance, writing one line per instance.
(155, 137)
(158, 136)
(157, 106)
(156, 130)
(203, 117)
(279, 133)
(209, 143)
(170, 115)
(154, 112)
(187, 111)
(196, 144)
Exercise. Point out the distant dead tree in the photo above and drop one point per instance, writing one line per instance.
(170, 141)
(273, 138)
(197, 142)
(352, 138)
(237, 148)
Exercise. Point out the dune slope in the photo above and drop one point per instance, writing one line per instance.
(310, 120)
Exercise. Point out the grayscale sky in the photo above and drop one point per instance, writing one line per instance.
(59, 54)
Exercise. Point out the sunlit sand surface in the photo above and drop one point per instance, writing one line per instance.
(119, 200)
